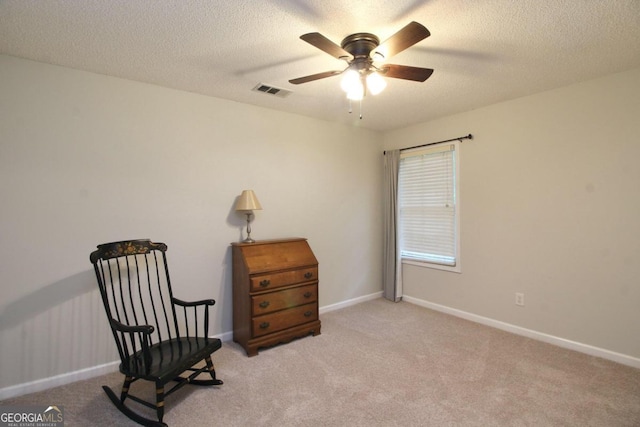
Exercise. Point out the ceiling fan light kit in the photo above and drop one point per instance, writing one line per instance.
(360, 51)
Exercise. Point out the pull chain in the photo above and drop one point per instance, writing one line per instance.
(351, 108)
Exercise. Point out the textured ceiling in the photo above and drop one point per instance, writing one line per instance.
(482, 51)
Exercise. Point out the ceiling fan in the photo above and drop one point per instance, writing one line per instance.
(360, 51)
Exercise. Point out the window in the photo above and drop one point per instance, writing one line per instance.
(429, 202)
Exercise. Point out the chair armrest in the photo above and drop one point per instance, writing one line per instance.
(192, 307)
(144, 329)
(207, 302)
(128, 347)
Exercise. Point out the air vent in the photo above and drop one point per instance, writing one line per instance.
(270, 90)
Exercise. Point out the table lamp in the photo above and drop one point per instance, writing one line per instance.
(247, 203)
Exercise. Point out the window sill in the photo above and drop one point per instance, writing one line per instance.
(452, 268)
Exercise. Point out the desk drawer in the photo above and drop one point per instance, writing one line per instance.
(265, 282)
(279, 300)
(284, 319)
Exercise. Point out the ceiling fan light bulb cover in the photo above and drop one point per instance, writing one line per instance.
(350, 80)
(375, 83)
(356, 93)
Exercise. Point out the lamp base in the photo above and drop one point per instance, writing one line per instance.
(248, 239)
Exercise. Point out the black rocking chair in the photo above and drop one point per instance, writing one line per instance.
(151, 327)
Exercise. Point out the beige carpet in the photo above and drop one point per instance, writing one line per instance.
(385, 364)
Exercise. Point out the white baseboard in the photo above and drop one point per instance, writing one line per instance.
(347, 303)
(58, 380)
(225, 336)
(539, 336)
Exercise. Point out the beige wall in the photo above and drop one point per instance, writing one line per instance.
(87, 159)
(550, 206)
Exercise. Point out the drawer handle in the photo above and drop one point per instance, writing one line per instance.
(264, 283)
(308, 275)
(308, 313)
(307, 294)
(264, 325)
(264, 304)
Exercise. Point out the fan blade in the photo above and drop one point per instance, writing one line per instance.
(323, 43)
(411, 34)
(314, 77)
(405, 72)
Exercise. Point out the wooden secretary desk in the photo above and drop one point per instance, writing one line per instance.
(275, 292)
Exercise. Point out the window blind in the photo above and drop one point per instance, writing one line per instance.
(427, 201)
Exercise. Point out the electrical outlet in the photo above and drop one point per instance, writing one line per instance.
(519, 299)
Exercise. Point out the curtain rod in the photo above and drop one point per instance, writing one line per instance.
(434, 143)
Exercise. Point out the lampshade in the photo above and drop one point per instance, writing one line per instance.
(248, 201)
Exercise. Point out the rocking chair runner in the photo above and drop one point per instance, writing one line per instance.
(151, 327)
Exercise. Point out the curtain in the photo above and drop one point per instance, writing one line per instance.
(391, 268)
